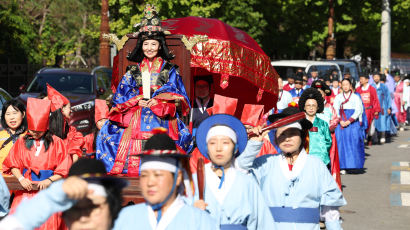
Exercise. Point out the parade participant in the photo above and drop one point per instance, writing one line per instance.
(297, 91)
(382, 122)
(100, 117)
(59, 123)
(398, 100)
(284, 98)
(37, 158)
(335, 90)
(349, 108)
(314, 73)
(329, 115)
(328, 80)
(202, 101)
(148, 96)
(371, 103)
(304, 81)
(311, 102)
(231, 197)
(14, 124)
(291, 83)
(88, 199)
(161, 183)
(297, 186)
(406, 97)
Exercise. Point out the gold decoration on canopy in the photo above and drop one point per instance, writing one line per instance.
(114, 39)
(193, 40)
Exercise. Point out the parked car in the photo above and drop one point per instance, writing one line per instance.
(286, 68)
(4, 97)
(351, 65)
(80, 88)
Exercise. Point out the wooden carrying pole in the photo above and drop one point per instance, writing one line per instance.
(201, 178)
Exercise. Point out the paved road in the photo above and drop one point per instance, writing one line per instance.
(379, 198)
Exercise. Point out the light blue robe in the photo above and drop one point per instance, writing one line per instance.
(32, 213)
(308, 185)
(185, 217)
(239, 202)
(4, 197)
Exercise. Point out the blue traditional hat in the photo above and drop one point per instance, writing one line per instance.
(221, 120)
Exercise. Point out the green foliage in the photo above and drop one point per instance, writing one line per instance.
(284, 28)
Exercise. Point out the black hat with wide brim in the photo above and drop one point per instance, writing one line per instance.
(305, 123)
(312, 93)
(94, 170)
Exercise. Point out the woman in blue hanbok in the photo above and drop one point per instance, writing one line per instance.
(162, 186)
(297, 186)
(230, 196)
(151, 94)
(383, 122)
(349, 134)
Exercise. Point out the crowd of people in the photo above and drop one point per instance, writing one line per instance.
(218, 172)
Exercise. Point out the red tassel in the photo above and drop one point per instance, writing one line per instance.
(259, 96)
(224, 81)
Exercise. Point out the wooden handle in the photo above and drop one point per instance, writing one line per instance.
(282, 122)
(201, 177)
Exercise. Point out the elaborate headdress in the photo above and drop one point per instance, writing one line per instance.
(150, 29)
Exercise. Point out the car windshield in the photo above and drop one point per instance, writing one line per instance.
(72, 83)
(286, 71)
(324, 70)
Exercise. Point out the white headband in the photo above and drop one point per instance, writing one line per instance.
(159, 163)
(98, 189)
(221, 130)
(293, 125)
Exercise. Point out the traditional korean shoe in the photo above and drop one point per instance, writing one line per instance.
(382, 140)
(322, 225)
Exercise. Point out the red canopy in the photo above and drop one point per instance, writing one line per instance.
(232, 56)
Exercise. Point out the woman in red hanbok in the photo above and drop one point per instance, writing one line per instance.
(100, 117)
(38, 159)
(59, 119)
(398, 100)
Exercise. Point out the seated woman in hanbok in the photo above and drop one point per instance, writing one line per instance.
(297, 186)
(14, 124)
(37, 158)
(349, 134)
(162, 186)
(151, 94)
(88, 198)
(100, 117)
(230, 196)
(59, 123)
